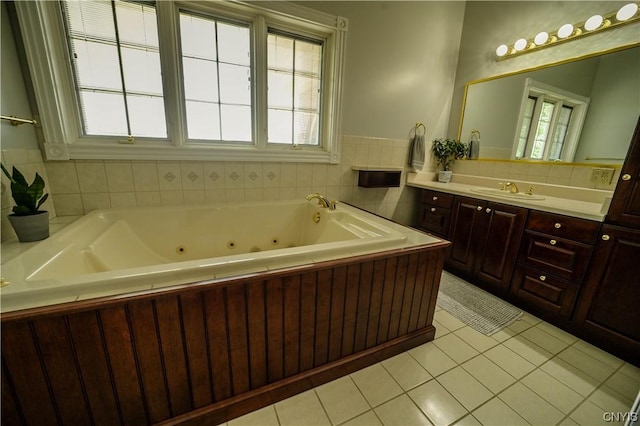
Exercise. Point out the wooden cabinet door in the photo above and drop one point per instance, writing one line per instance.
(467, 228)
(435, 219)
(625, 206)
(497, 250)
(607, 310)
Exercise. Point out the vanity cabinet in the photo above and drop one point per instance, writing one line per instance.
(625, 205)
(608, 313)
(485, 237)
(552, 263)
(435, 212)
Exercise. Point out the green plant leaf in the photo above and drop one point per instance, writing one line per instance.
(19, 178)
(42, 200)
(21, 211)
(6, 172)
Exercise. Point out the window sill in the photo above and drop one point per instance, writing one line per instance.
(87, 151)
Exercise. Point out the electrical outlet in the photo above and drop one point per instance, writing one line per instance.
(602, 175)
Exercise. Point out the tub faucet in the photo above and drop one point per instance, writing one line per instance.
(512, 187)
(322, 201)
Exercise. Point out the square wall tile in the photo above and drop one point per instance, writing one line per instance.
(92, 177)
(192, 175)
(169, 176)
(63, 177)
(123, 200)
(68, 204)
(119, 177)
(95, 202)
(213, 175)
(253, 175)
(145, 176)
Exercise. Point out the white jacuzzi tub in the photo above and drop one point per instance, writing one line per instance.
(118, 251)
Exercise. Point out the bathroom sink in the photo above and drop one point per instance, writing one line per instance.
(506, 194)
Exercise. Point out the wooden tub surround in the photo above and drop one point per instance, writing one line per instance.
(208, 352)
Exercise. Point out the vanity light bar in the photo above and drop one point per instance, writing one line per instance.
(627, 14)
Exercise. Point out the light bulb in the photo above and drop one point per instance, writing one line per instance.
(541, 38)
(520, 44)
(627, 12)
(502, 50)
(565, 31)
(593, 23)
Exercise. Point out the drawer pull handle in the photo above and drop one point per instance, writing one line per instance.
(435, 198)
(479, 208)
(626, 177)
(543, 277)
(557, 225)
(433, 209)
(605, 237)
(553, 242)
(488, 210)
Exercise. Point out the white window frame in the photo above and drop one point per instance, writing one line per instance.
(46, 50)
(560, 97)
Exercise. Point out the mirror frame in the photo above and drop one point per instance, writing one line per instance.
(536, 68)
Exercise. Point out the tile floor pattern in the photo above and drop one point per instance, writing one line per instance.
(529, 373)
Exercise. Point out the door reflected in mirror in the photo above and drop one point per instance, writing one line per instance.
(583, 111)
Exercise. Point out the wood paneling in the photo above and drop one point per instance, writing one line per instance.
(212, 351)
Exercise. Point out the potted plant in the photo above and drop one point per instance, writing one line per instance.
(446, 152)
(29, 222)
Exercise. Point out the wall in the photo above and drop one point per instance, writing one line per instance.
(19, 143)
(400, 67)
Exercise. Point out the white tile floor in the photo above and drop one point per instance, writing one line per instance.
(528, 373)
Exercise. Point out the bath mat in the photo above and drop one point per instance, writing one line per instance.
(475, 307)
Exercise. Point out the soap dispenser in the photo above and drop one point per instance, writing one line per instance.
(474, 145)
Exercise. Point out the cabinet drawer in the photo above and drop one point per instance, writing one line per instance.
(565, 258)
(544, 293)
(571, 228)
(436, 198)
(435, 219)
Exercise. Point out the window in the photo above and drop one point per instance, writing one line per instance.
(116, 64)
(216, 66)
(294, 70)
(550, 123)
(185, 80)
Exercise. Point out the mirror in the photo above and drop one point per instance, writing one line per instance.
(609, 82)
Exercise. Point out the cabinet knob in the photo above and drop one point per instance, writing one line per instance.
(605, 237)
(543, 277)
(488, 210)
(626, 176)
(435, 198)
(553, 242)
(479, 208)
(557, 225)
(433, 209)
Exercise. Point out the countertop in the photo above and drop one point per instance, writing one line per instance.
(553, 204)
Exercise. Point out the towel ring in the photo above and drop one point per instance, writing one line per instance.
(417, 127)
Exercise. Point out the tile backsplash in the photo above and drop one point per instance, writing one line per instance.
(77, 187)
(555, 174)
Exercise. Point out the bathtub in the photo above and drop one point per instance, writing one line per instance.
(109, 252)
(199, 315)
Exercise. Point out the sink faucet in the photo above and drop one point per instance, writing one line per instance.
(322, 201)
(512, 187)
